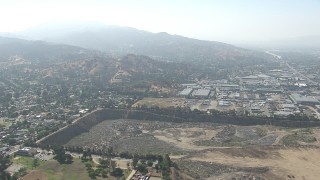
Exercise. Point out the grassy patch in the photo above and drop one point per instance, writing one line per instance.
(26, 161)
(73, 171)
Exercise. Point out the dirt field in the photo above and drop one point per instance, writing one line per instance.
(166, 137)
(212, 151)
(279, 163)
(161, 102)
(183, 102)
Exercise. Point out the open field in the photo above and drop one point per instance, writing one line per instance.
(165, 137)
(213, 151)
(161, 102)
(183, 102)
(52, 170)
(263, 163)
(124, 135)
(26, 161)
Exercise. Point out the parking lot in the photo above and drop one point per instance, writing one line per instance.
(44, 155)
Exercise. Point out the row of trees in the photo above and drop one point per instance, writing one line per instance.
(183, 114)
(139, 161)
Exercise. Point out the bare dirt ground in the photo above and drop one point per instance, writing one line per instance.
(35, 174)
(161, 102)
(184, 137)
(280, 163)
(213, 151)
(182, 102)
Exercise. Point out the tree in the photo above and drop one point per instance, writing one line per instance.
(20, 173)
(142, 168)
(149, 163)
(61, 156)
(104, 173)
(4, 163)
(92, 174)
(117, 172)
(113, 165)
(69, 158)
(135, 162)
(104, 163)
(110, 151)
(165, 166)
(35, 163)
(88, 165)
(157, 167)
(143, 161)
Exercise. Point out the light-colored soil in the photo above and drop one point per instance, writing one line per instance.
(161, 102)
(123, 164)
(221, 151)
(184, 137)
(302, 163)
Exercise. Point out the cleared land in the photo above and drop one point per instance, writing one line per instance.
(52, 170)
(265, 163)
(161, 102)
(26, 162)
(183, 102)
(166, 137)
(213, 151)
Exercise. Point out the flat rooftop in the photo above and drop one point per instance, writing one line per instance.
(298, 98)
(186, 92)
(201, 92)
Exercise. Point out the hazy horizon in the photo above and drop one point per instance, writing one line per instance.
(226, 21)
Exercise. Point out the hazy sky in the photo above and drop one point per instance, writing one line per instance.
(223, 20)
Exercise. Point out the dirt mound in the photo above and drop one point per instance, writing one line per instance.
(239, 136)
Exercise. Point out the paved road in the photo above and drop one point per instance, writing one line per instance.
(131, 174)
(291, 68)
(300, 74)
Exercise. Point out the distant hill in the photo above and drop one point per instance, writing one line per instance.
(117, 40)
(64, 59)
(39, 51)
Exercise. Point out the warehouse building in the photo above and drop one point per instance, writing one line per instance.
(201, 93)
(186, 92)
(300, 99)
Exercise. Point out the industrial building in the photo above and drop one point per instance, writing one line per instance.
(201, 93)
(26, 151)
(186, 92)
(300, 99)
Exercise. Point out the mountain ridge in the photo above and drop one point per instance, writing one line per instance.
(119, 41)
